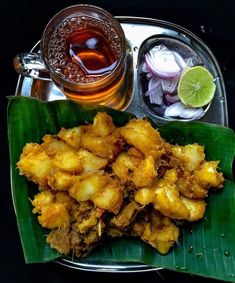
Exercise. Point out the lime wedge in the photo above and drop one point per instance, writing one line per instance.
(196, 87)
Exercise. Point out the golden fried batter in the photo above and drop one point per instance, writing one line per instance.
(189, 157)
(71, 136)
(143, 137)
(54, 215)
(87, 186)
(35, 164)
(110, 197)
(157, 230)
(98, 179)
(126, 215)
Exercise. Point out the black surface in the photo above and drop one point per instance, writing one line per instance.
(22, 23)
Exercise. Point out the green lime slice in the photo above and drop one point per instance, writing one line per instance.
(196, 87)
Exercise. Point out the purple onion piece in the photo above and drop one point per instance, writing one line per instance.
(154, 91)
(169, 85)
(171, 98)
(161, 62)
(178, 109)
(180, 60)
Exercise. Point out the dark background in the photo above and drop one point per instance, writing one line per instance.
(22, 23)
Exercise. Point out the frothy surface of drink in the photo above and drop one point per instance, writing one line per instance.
(84, 49)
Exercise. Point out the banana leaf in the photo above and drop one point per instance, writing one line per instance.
(206, 248)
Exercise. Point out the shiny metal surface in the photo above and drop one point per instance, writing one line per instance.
(137, 30)
(31, 65)
(106, 266)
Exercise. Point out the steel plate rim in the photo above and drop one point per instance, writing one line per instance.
(130, 267)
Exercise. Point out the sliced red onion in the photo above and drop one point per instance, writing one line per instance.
(179, 60)
(192, 113)
(169, 85)
(156, 97)
(161, 62)
(154, 91)
(163, 69)
(174, 110)
(178, 109)
(153, 83)
(172, 98)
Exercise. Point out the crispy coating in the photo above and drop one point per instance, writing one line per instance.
(98, 179)
(124, 166)
(102, 138)
(86, 187)
(208, 175)
(144, 195)
(195, 207)
(196, 184)
(52, 145)
(157, 230)
(188, 157)
(41, 200)
(89, 220)
(71, 136)
(110, 197)
(144, 174)
(167, 200)
(167, 197)
(68, 161)
(54, 215)
(60, 180)
(59, 239)
(126, 216)
(35, 164)
(103, 146)
(143, 137)
(136, 168)
(91, 162)
(103, 125)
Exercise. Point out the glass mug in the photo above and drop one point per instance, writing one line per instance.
(83, 48)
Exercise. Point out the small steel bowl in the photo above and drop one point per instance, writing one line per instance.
(173, 44)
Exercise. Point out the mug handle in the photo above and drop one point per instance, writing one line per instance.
(31, 65)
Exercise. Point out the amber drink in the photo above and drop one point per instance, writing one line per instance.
(84, 49)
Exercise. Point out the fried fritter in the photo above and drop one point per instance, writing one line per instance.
(54, 215)
(188, 157)
(60, 180)
(144, 174)
(208, 175)
(52, 145)
(87, 186)
(144, 195)
(157, 230)
(110, 197)
(71, 136)
(41, 200)
(144, 137)
(124, 166)
(102, 138)
(59, 239)
(195, 207)
(91, 162)
(126, 216)
(35, 164)
(99, 179)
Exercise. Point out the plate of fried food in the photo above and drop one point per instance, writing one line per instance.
(93, 184)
